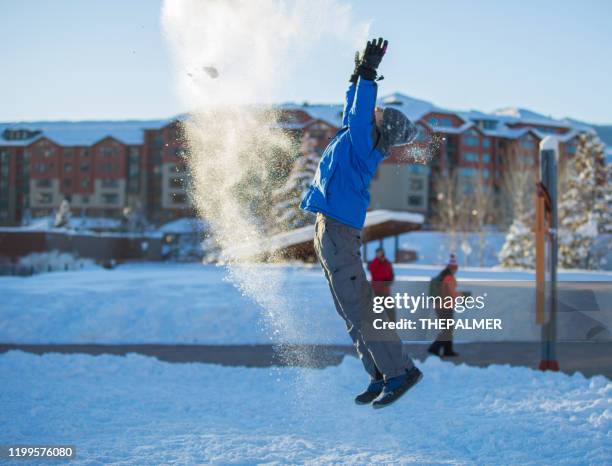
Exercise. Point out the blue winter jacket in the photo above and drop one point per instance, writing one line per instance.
(340, 186)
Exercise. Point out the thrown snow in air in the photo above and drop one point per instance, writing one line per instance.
(254, 47)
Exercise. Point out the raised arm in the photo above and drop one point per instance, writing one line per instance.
(361, 115)
(348, 103)
(360, 118)
(350, 92)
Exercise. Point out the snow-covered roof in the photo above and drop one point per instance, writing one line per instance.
(416, 109)
(185, 225)
(330, 113)
(374, 217)
(451, 129)
(82, 133)
(79, 223)
(527, 116)
(305, 234)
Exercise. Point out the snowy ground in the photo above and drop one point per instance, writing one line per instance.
(137, 410)
(191, 303)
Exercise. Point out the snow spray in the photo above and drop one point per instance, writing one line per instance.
(231, 58)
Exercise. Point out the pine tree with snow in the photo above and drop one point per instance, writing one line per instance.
(583, 209)
(518, 251)
(606, 223)
(518, 187)
(287, 199)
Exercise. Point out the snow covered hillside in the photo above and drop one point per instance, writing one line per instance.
(137, 410)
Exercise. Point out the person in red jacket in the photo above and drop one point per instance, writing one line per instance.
(382, 277)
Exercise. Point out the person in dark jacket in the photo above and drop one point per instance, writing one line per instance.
(339, 197)
(381, 271)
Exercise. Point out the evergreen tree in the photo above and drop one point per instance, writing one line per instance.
(287, 199)
(584, 204)
(518, 250)
(518, 187)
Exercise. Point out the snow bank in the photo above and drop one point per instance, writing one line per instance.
(75, 223)
(52, 261)
(137, 410)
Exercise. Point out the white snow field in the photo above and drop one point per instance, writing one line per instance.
(193, 303)
(137, 410)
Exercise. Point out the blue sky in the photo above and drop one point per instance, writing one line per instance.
(70, 59)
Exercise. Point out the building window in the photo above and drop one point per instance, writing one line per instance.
(176, 182)
(178, 198)
(441, 121)
(486, 142)
(67, 167)
(470, 157)
(527, 144)
(546, 129)
(157, 141)
(44, 167)
(68, 152)
(108, 167)
(108, 151)
(44, 183)
(415, 201)
(416, 185)
(110, 198)
(84, 167)
(109, 183)
(133, 162)
(486, 158)
(45, 198)
(487, 124)
(486, 173)
(85, 183)
(416, 169)
(467, 172)
(470, 141)
(85, 199)
(67, 182)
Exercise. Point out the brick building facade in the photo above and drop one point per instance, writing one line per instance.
(104, 168)
(108, 168)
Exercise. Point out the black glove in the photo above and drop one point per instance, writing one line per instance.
(372, 56)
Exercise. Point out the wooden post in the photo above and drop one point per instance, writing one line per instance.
(546, 252)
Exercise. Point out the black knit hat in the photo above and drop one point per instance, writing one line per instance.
(396, 129)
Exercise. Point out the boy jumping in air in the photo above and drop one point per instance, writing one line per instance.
(339, 196)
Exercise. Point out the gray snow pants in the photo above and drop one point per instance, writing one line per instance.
(338, 248)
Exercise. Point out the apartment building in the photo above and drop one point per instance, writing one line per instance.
(105, 169)
(108, 169)
(474, 146)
